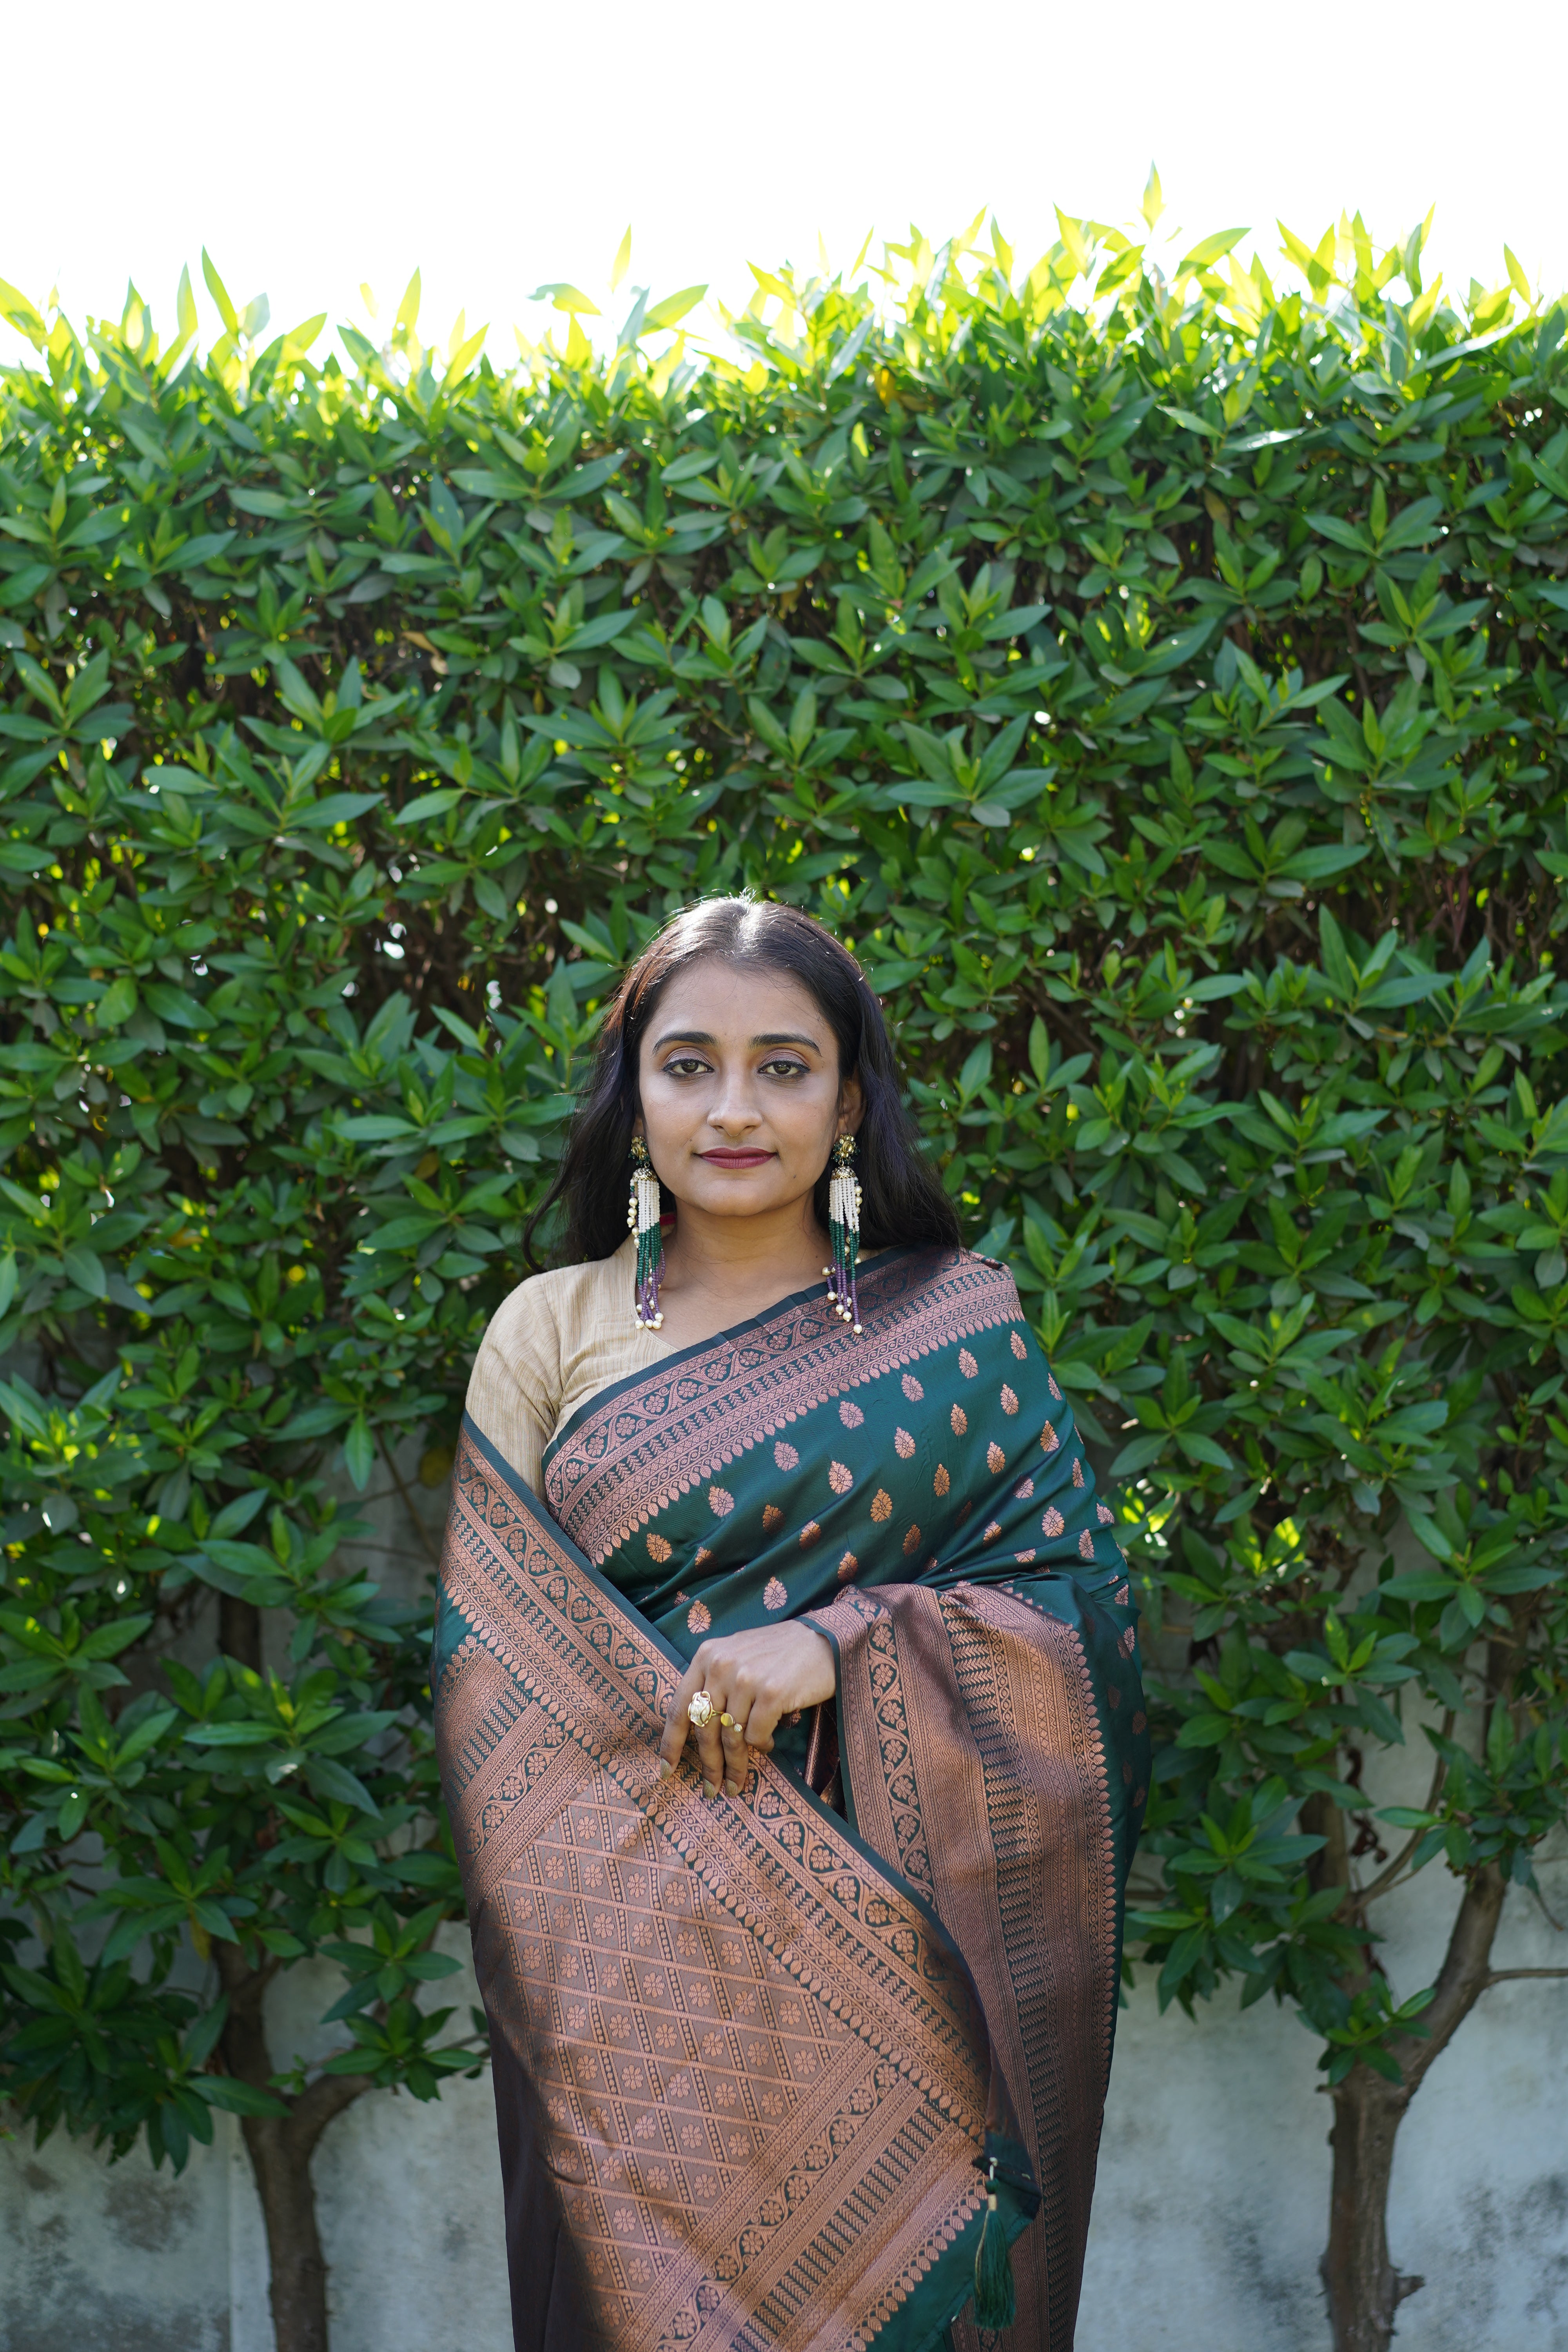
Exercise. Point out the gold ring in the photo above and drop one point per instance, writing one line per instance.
(727, 1722)
(699, 1714)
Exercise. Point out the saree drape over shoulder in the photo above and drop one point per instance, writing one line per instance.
(753, 2058)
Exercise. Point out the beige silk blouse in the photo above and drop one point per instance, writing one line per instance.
(555, 1341)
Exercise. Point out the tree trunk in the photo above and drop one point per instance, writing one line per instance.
(297, 2267)
(1364, 2290)
(239, 1631)
(280, 2148)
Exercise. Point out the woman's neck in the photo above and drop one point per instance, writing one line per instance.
(720, 1271)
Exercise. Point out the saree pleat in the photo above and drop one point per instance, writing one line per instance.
(970, 1726)
(750, 2054)
(551, 2305)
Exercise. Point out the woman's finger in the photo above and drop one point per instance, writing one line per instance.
(711, 1738)
(706, 1673)
(737, 1763)
(762, 1722)
(678, 1727)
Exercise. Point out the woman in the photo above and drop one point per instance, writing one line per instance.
(788, 1708)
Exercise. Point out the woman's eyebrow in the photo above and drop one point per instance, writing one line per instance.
(705, 1037)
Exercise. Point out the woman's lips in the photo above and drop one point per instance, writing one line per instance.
(721, 1159)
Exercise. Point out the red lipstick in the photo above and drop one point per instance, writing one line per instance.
(723, 1157)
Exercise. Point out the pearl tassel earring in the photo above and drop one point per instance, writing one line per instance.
(844, 1230)
(643, 1219)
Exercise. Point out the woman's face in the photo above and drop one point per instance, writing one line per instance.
(741, 1093)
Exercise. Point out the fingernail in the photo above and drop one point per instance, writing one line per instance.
(731, 1788)
(709, 1789)
(665, 1768)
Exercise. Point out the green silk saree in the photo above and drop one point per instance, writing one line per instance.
(756, 2058)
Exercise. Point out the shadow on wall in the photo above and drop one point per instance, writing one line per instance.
(1209, 2219)
(1214, 2169)
(1207, 2233)
(113, 2259)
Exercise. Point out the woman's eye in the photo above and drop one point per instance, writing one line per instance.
(784, 1069)
(684, 1066)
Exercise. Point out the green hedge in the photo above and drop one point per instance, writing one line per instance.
(1159, 684)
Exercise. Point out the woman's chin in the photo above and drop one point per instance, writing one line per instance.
(738, 1192)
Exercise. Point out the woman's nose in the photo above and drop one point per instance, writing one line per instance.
(735, 1106)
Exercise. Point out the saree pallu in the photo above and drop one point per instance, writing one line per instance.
(755, 2059)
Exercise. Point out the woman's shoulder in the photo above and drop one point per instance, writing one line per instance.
(993, 1277)
(559, 1300)
(974, 1271)
(952, 1282)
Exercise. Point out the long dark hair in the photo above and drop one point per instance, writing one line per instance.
(903, 1200)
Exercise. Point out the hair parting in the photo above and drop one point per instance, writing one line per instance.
(903, 1200)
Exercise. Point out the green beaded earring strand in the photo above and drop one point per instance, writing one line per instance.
(643, 1219)
(843, 1232)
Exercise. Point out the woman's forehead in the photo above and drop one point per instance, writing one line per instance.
(737, 1001)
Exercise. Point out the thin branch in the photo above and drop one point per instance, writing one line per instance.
(1461, 1979)
(390, 1551)
(1507, 1976)
(431, 1554)
(363, 1502)
(322, 2099)
(1385, 1878)
(1546, 1912)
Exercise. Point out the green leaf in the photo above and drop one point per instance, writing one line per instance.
(359, 1451)
(117, 1004)
(107, 1640)
(219, 293)
(428, 805)
(237, 2098)
(332, 1780)
(1210, 249)
(673, 308)
(566, 298)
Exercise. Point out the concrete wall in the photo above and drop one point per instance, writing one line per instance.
(1208, 2223)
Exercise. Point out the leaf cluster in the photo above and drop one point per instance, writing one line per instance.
(1155, 675)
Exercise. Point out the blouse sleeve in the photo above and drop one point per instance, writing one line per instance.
(514, 1390)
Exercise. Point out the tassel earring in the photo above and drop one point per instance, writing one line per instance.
(643, 1219)
(844, 1232)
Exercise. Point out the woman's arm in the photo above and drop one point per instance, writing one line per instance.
(514, 1389)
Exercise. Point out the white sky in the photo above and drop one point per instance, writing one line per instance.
(313, 146)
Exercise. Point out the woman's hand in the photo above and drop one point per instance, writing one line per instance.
(752, 1679)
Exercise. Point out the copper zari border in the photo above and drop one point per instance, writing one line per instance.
(1025, 1872)
(687, 1419)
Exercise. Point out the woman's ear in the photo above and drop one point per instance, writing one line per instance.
(851, 1105)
